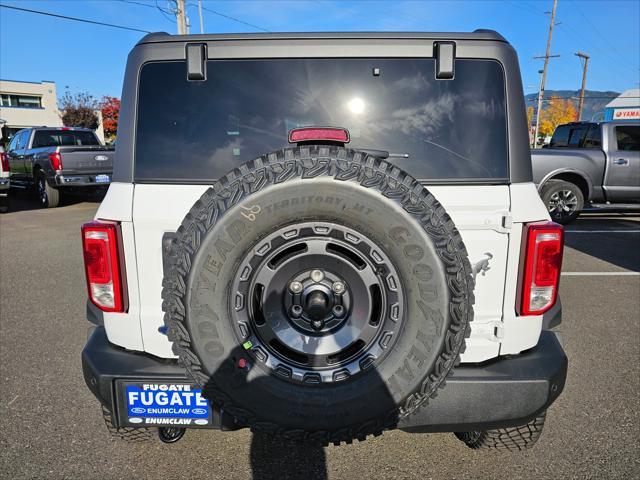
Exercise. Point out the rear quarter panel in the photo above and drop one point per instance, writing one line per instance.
(588, 163)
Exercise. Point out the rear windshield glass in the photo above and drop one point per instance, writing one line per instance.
(57, 138)
(434, 129)
(582, 135)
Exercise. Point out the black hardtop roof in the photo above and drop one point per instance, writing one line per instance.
(480, 34)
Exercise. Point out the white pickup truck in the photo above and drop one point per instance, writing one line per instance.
(321, 237)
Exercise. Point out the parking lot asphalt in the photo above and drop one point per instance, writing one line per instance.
(52, 428)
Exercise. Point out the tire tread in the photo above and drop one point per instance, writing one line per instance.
(344, 165)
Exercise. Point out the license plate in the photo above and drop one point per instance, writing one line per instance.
(178, 404)
(102, 178)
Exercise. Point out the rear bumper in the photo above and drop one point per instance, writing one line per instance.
(501, 393)
(80, 180)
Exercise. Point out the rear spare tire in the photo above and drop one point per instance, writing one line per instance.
(318, 293)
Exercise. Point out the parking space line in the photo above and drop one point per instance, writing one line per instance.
(594, 274)
(602, 231)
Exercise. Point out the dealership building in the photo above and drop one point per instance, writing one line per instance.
(625, 107)
(30, 104)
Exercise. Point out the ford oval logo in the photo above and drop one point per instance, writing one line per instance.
(101, 158)
(199, 411)
(138, 410)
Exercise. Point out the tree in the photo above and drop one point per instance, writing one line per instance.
(78, 110)
(529, 116)
(110, 107)
(557, 112)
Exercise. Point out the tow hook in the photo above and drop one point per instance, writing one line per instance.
(482, 265)
(170, 434)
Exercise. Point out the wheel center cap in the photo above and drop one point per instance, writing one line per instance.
(317, 305)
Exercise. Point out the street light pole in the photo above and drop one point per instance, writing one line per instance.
(544, 72)
(585, 57)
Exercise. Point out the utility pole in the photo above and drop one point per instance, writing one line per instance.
(181, 17)
(585, 57)
(200, 13)
(544, 72)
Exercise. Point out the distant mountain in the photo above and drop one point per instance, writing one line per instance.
(594, 101)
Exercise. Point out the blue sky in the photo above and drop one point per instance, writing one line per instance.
(92, 58)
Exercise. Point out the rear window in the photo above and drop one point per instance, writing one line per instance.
(63, 138)
(571, 136)
(434, 129)
(628, 138)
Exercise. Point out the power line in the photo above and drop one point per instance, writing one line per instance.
(75, 19)
(597, 30)
(595, 46)
(235, 19)
(137, 3)
(162, 11)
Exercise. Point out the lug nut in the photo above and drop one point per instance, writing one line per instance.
(317, 324)
(296, 311)
(295, 287)
(338, 311)
(338, 288)
(317, 276)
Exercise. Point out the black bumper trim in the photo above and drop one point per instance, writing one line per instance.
(553, 317)
(504, 392)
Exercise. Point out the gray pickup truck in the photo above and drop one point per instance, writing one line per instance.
(59, 159)
(589, 164)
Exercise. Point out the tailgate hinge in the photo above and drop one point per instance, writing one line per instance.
(495, 332)
(507, 221)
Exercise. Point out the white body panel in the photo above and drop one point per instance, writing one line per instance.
(157, 209)
(520, 333)
(488, 217)
(124, 328)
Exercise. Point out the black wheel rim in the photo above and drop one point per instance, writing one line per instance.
(562, 204)
(42, 191)
(317, 303)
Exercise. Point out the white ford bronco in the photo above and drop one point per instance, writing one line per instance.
(321, 237)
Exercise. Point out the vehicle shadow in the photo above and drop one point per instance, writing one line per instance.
(288, 455)
(273, 459)
(26, 200)
(615, 241)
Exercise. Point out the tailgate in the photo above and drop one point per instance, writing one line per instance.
(478, 212)
(86, 159)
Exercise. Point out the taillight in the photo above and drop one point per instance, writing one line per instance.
(314, 134)
(540, 276)
(103, 265)
(55, 159)
(4, 162)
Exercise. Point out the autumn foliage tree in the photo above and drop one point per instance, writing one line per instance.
(557, 112)
(78, 110)
(529, 116)
(110, 107)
